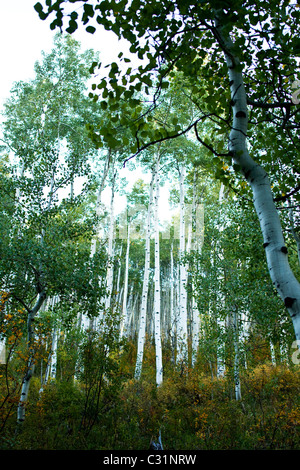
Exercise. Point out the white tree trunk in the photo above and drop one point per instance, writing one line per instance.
(283, 278)
(221, 324)
(110, 250)
(86, 322)
(237, 381)
(124, 320)
(53, 368)
(52, 360)
(172, 309)
(182, 333)
(192, 244)
(143, 310)
(99, 202)
(31, 360)
(157, 288)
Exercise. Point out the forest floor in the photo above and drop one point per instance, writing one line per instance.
(192, 410)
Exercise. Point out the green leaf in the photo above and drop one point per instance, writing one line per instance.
(39, 9)
(90, 29)
(102, 84)
(72, 26)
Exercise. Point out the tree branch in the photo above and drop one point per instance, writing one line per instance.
(284, 198)
(208, 146)
(162, 139)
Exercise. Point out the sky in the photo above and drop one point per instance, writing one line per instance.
(23, 37)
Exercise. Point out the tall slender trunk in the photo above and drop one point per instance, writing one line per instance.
(192, 245)
(282, 276)
(51, 366)
(124, 321)
(182, 333)
(221, 324)
(237, 381)
(157, 296)
(172, 309)
(110, 250)
(143, 310)
(31, 360)
(99, 201)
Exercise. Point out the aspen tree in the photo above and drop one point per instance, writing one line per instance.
(182, 332)
(125, 320)
(143, 309)
(111, 235)
(157, 283)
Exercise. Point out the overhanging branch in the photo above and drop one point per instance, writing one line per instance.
(209, 146)
(157, 141)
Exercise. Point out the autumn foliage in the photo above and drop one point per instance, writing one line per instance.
(104, 408)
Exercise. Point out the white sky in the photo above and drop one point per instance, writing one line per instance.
(23, 36)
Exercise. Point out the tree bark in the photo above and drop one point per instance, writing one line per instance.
(280, 271)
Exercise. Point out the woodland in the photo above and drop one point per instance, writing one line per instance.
(150, 233)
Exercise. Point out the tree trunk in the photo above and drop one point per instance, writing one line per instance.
(182, 333)
(52, 359)
(221, 326)
(157, 288)
(124, 321)
(172, 309)
(192, 244)
(143, 310)
(237, 382)
(110, 250)
(280, 271)
(31, 360)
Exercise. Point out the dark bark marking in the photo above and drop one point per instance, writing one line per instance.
(288, 302)
(240, 114)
